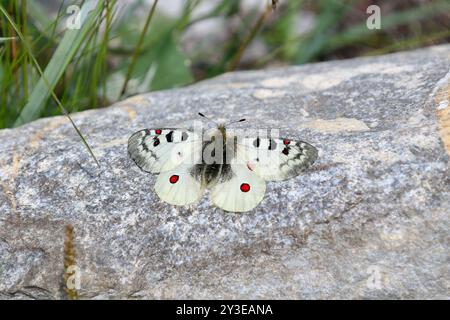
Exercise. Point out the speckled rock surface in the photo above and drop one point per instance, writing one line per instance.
(369, 220)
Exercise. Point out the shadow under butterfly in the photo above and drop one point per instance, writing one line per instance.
(234, 168)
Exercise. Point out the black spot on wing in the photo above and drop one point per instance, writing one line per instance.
(272, 144)
(256, 142)
(169, 136)
(184, 136)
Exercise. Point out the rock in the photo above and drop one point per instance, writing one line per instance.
(370, 219)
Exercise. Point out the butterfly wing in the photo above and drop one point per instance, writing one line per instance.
(276, 159)
(179, 186)
(159, 150)
(237, 189)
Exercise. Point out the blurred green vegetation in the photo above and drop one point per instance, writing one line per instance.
(121, 50)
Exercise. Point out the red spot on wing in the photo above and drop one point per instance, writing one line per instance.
(158, 131)
(286, 142)
(245, 187)
(174, 179)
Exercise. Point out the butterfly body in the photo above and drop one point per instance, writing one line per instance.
(233, 168)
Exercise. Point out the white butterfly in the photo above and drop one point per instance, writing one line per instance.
(234, 169)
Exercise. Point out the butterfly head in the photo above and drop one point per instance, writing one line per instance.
(221, 127)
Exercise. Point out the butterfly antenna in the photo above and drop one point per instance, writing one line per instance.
(236, 121)
(203, 116)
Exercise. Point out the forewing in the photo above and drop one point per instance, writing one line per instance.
(276, 159)
(159, 150)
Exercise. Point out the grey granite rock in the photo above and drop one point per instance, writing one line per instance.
(369, 220)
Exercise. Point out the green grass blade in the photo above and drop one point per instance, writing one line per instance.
(138, 48)
(40, 18)
(388, 21)
(45, 81)
(63, 55)
(330, 15)
(4, 39)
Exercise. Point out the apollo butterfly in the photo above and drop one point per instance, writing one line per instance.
(183, 160)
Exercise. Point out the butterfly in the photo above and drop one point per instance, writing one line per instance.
(234, 168)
